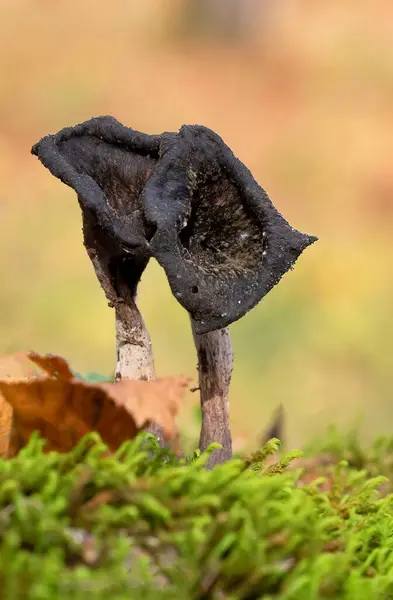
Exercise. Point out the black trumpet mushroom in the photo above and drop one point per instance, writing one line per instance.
(186, 200)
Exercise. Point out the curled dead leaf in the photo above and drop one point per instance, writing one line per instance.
(64, 409)
(54, 366)
(13, 367)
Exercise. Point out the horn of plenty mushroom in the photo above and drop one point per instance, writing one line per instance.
(186, 200)
(108, 165)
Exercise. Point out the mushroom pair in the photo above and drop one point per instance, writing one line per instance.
(186, 200)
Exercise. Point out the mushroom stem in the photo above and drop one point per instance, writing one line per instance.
(133, 346)
(215, 360)
(134, 350)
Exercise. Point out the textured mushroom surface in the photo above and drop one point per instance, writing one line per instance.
(186, 200)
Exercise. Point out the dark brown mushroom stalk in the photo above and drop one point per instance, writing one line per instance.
(186, 200)
(215, 361)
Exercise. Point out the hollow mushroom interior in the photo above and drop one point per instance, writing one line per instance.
(222, 234)
(119, 172)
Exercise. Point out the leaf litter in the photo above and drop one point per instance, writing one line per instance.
(40, 393)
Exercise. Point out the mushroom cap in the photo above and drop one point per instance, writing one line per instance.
(185, 199)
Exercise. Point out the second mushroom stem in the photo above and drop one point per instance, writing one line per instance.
(134, 354)
(215, 361)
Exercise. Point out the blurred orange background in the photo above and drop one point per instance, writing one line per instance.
(302, 91)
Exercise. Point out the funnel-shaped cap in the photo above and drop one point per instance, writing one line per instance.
(219, 238)
(183, 198)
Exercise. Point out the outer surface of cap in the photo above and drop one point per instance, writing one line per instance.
(185, 199)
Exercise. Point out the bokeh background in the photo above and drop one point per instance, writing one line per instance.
(302, 91)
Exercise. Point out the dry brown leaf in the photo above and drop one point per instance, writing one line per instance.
(5, 426)
(64, 408)
(54, 366)
(16, 366)
(12, 367)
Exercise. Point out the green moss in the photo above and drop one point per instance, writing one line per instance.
(144, 525)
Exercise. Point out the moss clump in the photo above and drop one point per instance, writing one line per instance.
(144, 525)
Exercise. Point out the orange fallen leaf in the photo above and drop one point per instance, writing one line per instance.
(5, 426)
(16, 366)
(54, 366)
(12, 367)
(64, 408)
